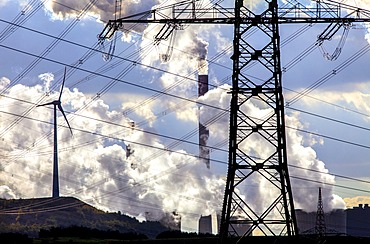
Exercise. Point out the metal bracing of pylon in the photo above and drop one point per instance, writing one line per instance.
(320, 227)
(256, 76)
(240, 217)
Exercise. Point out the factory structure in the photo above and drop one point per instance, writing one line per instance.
(205, 224)
(358, 221)
(350, 222)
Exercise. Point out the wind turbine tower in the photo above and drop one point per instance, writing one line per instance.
(57, 104)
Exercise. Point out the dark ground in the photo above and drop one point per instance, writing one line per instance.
(14, 239)
(26, 217)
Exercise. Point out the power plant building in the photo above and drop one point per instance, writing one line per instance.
(335, 221)
(358, 221)
(352, 221)
(205, 224)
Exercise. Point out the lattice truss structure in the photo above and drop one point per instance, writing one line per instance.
(256, 76)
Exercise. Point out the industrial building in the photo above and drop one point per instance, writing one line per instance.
(352, 222)
(205, 224)
(358, 221)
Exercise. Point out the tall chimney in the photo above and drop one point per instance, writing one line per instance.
(203, 131)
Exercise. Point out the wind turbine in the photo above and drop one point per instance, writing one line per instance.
(57, 104)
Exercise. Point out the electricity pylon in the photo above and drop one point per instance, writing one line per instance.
(320, 227)
(257, 74)
(57, 105)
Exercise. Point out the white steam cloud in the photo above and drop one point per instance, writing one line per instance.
(301, 156)
(47, 78)
(6, 193)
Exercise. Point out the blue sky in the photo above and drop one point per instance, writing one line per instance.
(161, 99)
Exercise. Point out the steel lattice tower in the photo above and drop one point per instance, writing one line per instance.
(257, 76)
(268, 129)
(320, 227)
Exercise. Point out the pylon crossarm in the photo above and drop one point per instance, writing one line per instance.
(187, 13)
(324, 11)
(347, 9)
(182, 12)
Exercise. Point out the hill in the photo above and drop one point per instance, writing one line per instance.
(29, 216)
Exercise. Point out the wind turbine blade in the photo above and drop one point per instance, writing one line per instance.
(65, 117)
(50, 103)
(64, 79)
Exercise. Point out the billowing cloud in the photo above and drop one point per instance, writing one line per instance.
(104, 10)
(305, 165)
(302, 157)
(47, 78)
(6, 193)
(93, 162)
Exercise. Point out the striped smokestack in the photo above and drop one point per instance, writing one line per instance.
(203, 131)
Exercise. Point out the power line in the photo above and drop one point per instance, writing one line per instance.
(39, 57)
(330, 184)
(330, 137)
(330, 74)
(92, 49)
(116, 79)
(329, 103)
(212, 148)
(326, 173)
(27, 12)
(293, 36)
(287, 41)
(120, 139)
(330, 119)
